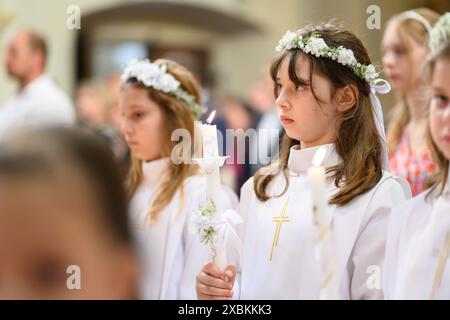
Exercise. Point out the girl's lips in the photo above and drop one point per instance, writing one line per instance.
(132, 143)
(446, 138)
(286, 120)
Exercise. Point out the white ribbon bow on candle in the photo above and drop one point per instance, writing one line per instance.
(380, 86)
(226, 231)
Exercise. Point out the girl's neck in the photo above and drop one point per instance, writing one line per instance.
(416, 103)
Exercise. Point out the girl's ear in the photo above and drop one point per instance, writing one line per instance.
(346, 97)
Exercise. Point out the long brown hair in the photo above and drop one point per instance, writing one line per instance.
(357, 141)
(176, 115)
(438, 181)
(408, 30)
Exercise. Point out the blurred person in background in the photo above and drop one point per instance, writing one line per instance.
(238, 118)
(405, 48)
(38, 101)
(267, 124)
(62, 204)
(98, 111)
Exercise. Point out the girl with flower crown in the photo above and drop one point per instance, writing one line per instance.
(325, 90)
(417, 262)
(164, 187)
(404, 53)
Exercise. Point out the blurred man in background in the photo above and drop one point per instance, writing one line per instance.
(38, 101)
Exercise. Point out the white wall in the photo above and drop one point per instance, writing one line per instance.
(238, 60)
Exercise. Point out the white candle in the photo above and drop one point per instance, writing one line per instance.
(317, 178)
(324, 248)
(211, 153)
(209, 133)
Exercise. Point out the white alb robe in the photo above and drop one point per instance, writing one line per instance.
(358, 228)
(170, 253)
(416, 239)
(39, 104)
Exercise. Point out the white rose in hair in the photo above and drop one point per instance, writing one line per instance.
(168, 83)
(317, 46)
(287, 42)
(346, 57)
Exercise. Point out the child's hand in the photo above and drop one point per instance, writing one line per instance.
(213, 284)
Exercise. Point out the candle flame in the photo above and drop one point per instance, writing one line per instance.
(319, 156)
(211, 117)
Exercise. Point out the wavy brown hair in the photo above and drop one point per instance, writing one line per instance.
(408, 30)
(176, 115)
(357, 141)
(438, 180)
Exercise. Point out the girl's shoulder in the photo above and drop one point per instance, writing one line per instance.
(390, 185)
(419, 205)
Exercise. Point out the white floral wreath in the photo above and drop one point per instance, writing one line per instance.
(440, 32)
(156, 77)
(317, 47)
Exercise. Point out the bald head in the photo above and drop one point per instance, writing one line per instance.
(26, 56)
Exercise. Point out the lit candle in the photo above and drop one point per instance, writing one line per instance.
(211, 156)
(209, 133)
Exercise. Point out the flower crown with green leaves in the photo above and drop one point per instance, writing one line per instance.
(156, 76)
(440, 32)
(317, 47)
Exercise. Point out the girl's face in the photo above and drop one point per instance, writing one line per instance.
(142, 123)
(46, 227)
(90, 107)
(440, 106)
(403, 68)
(303, 118)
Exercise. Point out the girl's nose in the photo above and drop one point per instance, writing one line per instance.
(127, 127)
(388, 59)
(282, 102)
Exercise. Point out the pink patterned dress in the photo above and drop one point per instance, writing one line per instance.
(414, 165)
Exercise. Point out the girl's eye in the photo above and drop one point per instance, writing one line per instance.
(299, 88)
(137, 115)
(441, 100)
(399, 51)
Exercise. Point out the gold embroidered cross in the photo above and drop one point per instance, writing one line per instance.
(279, 220)
(443, 255)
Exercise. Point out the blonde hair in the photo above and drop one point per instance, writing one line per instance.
(357, 142)
(176, 115)
(100, 90)
(437, 181)
(408, 28)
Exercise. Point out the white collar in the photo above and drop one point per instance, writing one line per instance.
(154, 171)
(301, 159)
(35, 84)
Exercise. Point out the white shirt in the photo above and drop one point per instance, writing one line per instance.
(358, 229)
(170, 252)
(416, 239)
(41, 103)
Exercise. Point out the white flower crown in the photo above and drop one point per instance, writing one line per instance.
(156, 77)
(440, 32)
(317, 47)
